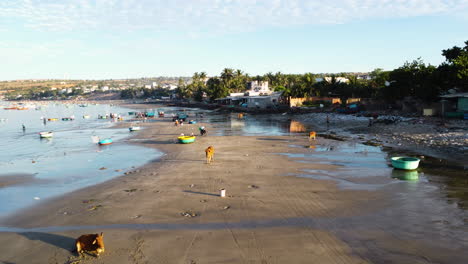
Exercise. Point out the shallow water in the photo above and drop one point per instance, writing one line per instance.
(70, 160)
(430, 207)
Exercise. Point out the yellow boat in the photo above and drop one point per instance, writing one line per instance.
(186, 139)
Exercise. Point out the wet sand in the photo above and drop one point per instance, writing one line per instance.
(18, 179)
(268, 216)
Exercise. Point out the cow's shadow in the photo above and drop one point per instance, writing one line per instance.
(60, 241)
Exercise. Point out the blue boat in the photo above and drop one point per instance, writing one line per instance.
(192, 122)
(182, 116)
(106, 141)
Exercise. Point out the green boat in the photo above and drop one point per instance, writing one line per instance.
(405, 163)
(186, 139)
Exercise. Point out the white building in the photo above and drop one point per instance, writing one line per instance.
(255, 88)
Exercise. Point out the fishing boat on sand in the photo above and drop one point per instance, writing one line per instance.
(134, 128)
(48, 134)
(186, 139)
(106, 141)
(52, 119)
(405, 163)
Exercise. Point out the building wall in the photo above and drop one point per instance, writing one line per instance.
(295, 102)
(462, 104)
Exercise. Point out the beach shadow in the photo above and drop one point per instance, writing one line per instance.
(60, 241)
(159, 142)
(211, 194)
(273, 139)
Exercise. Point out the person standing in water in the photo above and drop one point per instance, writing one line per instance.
(24, 128)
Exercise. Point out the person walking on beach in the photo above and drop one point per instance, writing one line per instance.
(24, 128)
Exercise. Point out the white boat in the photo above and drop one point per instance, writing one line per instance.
(134, 128)
(46, 134)
(86, 116)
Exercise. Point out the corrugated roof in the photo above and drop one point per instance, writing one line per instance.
(455, 95)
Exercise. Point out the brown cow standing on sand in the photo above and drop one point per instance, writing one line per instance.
(209, 154)
(90, 242)
(312, 135)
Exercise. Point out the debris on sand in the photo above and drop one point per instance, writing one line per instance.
(226, 207)
(372, 143)
(94, 207)
(88, 201)
(253, 186)
(188, 214)
(131, 190)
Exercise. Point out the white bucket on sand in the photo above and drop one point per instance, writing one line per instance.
(222, 193)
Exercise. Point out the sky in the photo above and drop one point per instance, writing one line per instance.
(116, 39)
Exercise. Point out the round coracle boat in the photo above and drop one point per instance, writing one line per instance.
(106, 141)
(186, 139)
(46, 134)
(405, 163)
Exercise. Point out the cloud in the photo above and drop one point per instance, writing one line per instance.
(205, 16)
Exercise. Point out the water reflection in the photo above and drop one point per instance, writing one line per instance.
(405, 175)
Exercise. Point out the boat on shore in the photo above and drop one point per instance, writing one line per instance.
(86, 116)
(48, 134)
(186, 139)
(405, 163)
(134, 128)
(68, 119)
(106, 141)
(52, 119)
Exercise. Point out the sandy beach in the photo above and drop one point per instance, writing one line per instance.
(170, 210)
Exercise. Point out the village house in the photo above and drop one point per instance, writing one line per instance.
(455, 105)
(257, 95)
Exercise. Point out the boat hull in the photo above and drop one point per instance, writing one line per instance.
(105, 142)
(46, 134)
(186, 139)
(405, 163)
(134, 128)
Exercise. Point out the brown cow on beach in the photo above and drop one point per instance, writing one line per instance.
(90, 242)
(312, 135)
(209, 151)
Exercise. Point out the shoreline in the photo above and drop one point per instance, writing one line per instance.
(163, 191)
(174, 184)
